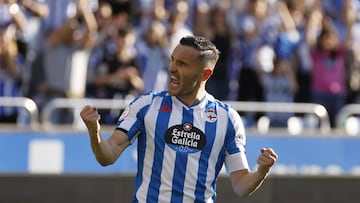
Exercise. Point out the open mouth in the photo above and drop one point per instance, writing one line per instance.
(174, 82)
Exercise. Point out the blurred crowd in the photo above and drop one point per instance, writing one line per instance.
(271, 50)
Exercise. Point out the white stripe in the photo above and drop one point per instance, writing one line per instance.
(167, 175)
(191, 177)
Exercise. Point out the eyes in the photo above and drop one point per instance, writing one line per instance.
(177, 63)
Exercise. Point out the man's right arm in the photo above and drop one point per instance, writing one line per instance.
(105, 151)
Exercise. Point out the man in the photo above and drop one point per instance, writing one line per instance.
(184, 135)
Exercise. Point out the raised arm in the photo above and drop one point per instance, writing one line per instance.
(9, 53)
(350, 17)
(40, 9)
(286, 18)
(105, 151)
(245, 182)
(88, 40)
(314, 25)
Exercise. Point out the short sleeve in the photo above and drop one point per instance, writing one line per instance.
(132, 119)
(235, 141)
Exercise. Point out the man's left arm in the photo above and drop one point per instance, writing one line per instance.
(245, 182)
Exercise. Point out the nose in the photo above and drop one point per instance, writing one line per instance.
(172, 67)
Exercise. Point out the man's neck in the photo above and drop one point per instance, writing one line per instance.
(194, 98)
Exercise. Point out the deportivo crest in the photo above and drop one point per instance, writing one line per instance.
(185, 138)
(210, 115)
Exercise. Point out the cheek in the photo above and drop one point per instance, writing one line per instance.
(192, 80)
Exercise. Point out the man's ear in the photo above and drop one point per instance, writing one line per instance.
(207, 73)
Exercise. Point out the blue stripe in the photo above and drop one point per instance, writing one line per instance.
(210, 132)
(162, 123)
(179, 177)
(180, 164)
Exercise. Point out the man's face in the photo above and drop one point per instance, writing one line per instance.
(186, 72)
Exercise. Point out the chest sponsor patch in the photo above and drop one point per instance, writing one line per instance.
(185, 138)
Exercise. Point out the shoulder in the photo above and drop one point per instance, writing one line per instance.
(230, 109)
(227, 113)
(223, 106)
(147, 99)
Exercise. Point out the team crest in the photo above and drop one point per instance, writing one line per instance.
(210, 115)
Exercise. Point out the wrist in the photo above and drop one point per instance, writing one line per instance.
(263, 172)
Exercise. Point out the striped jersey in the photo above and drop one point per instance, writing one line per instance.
(181, 149)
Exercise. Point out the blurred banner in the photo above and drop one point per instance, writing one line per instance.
(58, 153)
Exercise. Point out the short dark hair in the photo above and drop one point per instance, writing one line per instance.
(208, 50)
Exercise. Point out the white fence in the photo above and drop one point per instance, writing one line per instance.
(348, 113)
(25, 104)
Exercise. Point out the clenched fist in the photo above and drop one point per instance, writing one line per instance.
(91, 117)
(266, 160)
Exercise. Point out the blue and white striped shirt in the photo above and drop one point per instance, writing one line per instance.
(182, 149)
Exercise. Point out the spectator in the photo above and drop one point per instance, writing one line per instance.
(246, 26)
(329, 66)
(220, 34)
(301, 60)
(198, 16)
(257, 27)
(117, 73)
(291, 46)
(147, 11)
(151, 48)
(279, 85)
(353, 23)
(12, 19)
(176, 26)
(123, 13)
(36, 12)
(104, 19)
(70, 37)
(10, 72)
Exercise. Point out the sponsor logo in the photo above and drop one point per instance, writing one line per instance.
(185, 138)
(165, 109)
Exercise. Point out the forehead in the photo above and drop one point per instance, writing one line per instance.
(186, 54)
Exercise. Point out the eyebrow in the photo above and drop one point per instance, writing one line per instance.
(179, 60)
